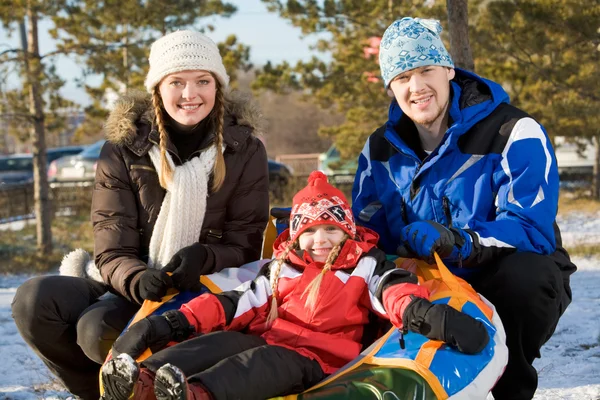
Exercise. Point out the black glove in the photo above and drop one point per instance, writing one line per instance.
(153, 284)
(187, 265)
(153, 332)
(442, 322)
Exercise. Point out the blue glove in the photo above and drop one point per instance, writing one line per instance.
(424, 238)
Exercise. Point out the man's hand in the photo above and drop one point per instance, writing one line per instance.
(442, 322)
(153, 332)
(424, 238)
(187, 265)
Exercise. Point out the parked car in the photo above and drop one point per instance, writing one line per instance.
(58, 152)
(279, 177)
(15, 169)
(572, 161)
(339, 170)
(18, 168)
(79, 167)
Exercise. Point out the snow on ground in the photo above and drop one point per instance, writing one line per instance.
(568, 370)
(588, 228)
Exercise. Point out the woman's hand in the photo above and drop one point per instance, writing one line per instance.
(153, 284)
(187, 265)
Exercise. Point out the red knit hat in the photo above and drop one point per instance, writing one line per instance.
(320, 203)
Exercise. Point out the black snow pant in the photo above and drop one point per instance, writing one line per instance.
(234, 365)
(530, 293)
(63, 321)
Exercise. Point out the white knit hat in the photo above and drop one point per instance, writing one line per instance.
(184, 51)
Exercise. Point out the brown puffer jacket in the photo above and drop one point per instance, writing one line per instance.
(127, 195)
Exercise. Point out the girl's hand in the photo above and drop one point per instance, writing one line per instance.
(153, 332)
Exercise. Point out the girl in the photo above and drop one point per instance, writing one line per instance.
(182, 183)
(303, 316)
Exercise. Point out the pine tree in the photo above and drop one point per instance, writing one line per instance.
(547, 54)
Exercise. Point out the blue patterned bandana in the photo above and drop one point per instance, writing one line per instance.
(411, 43)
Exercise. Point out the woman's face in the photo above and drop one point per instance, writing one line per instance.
(188, 96)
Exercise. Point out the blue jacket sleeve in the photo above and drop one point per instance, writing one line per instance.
(527, 184)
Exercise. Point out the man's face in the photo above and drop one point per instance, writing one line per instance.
(423, 93)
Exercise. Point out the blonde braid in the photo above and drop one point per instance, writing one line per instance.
(312, 290)
(166, 174)
(273, 311)
(219, 115)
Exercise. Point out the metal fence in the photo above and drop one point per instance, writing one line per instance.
(302, 164)
(74, 198)
(17, 201)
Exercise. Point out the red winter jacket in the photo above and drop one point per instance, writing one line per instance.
(331, 333)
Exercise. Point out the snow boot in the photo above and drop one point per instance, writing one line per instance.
(123, 379)
(171, 384)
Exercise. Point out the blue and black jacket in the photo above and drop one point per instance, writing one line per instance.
(494, 175)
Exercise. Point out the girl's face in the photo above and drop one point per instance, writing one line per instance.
(188, 96)
(319, 240)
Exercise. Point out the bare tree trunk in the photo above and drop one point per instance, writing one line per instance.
(33, 74)
(125, 41)
(458, 23)
(596, 178)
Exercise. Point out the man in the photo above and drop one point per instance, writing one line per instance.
(458, 171)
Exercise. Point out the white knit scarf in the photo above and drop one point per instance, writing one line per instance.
(182, 211)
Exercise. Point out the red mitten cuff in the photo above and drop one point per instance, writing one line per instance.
(205, 313)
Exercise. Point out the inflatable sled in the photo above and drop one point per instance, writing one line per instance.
(395, 366)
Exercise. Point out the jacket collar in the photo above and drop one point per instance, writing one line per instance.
(472, 99)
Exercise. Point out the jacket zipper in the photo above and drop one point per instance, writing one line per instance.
(170, 152)
(403, 211)
(446, 207)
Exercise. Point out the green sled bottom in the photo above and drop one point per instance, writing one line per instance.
(374, 382)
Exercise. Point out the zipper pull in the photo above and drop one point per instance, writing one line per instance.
(401, 340)
(447, 212)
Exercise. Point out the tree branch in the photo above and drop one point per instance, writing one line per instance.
(16, 115)
(544, 73)
(10, 51)
(93, 47)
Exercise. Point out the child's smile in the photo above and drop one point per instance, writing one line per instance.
(319, 240)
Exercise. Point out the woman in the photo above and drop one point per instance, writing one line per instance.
(181, 186)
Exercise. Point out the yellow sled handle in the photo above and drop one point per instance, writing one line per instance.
(448, 277)
(269, 238)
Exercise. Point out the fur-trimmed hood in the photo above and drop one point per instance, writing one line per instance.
(136, 106)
